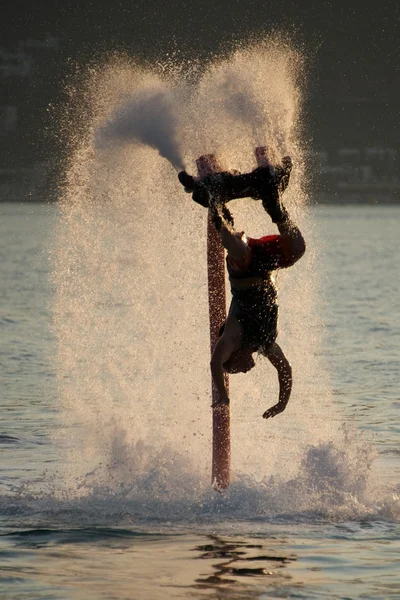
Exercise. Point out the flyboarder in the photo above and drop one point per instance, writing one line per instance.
(251, 325)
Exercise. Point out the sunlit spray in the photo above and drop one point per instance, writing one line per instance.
(131, 304)
(149, 116)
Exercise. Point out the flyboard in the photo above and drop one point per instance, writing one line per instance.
(221, 438)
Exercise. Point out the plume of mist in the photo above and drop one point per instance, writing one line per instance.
(148, 117)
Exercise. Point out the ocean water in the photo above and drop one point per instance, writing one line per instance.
(150, 526)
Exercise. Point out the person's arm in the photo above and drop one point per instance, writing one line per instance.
(230, 341)
(234, 243)
(282, 365)
(220, 355)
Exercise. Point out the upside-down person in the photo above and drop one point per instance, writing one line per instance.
(251, 325)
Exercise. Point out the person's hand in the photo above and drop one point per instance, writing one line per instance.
(275, 410)
(222, 401)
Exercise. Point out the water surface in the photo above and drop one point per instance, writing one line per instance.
(330, 531)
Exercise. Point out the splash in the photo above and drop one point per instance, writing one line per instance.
(130, 306)
(147, 485)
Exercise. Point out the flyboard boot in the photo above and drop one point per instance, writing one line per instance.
(213, 181)
(266, 180)
(208, 189)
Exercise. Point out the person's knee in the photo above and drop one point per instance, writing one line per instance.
(295, 245)
(299, 245)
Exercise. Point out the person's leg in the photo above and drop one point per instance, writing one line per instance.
(230, 341)
(277, 358)
(258, 184)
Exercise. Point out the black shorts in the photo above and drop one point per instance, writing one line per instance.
(259, 322)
